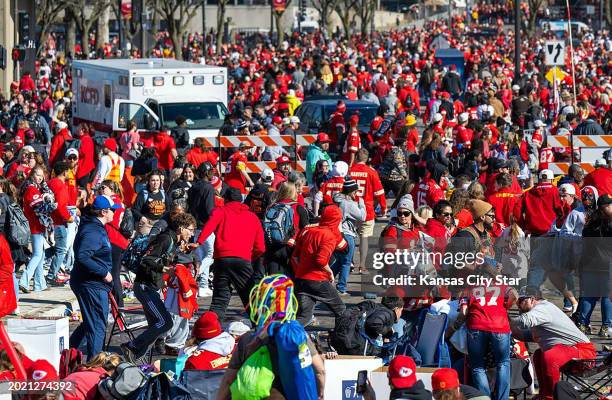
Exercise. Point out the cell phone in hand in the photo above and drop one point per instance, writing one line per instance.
(362, 381)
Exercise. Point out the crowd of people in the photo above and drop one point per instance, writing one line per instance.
(453, 161)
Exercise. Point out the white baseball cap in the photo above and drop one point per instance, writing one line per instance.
(72, 152)
(294, 119)
(516, 88)
(463, 117)
(267, 175)
(437, 117)
(539, 124)
(547, 174)
(567, 188)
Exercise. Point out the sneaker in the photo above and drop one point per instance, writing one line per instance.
(56, 283)
(171, 351)
(204, 292)
(128, 353)
(160, 346)
(24, 290)
(604, 332)
(586, 329)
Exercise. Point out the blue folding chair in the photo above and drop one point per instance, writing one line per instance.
(431, 344)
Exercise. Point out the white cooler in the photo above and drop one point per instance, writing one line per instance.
(41, 338)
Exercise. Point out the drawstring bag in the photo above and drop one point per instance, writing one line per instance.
(255, 377)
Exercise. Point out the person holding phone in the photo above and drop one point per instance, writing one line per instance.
(402, 379)
(157, 261)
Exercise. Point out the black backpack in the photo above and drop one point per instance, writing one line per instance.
(71, 143)
(17, 225)
(346, 338)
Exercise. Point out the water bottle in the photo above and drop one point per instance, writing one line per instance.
(379, 340)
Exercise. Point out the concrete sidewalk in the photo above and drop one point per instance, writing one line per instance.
(48, 303)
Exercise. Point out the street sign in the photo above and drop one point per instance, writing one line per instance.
(554, 51)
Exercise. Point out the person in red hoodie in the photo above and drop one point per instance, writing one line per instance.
(57, 143)
(86, 378)
(86, 163)
(540, 205)
(61, 218)
(507, 204)
(233, 258)
(165, 150)
(600, 178)
(214, 347)
(314, 279)
(429, 192)
(441, 226)
(7, 279)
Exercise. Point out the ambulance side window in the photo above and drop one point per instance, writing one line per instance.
(131, 112)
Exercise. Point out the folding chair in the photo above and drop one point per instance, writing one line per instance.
(203, 385)
(520, 377)
(120, 324)
(431, 345)
(591, 377)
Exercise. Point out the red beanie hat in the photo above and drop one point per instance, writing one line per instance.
(445, 379)
(207, 326)
(110, 144)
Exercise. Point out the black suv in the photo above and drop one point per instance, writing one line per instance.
(314, 115)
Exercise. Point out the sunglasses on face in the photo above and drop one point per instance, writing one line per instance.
(446, 214)
(72, 158)
(492, 216)
(404, 213)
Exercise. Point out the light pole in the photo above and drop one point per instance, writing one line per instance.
(204, 29)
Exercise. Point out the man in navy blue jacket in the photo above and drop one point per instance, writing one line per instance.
(91, 278)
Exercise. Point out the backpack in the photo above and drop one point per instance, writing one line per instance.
(127, 225)
(258, 200)
(278, 223)
(125, 383)
(161, 386)
(70, 360)
(255, 377)
(18, 231)
(297, 374)
(132, 256)
(346, 338)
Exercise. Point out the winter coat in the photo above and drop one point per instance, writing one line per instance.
(92, 255)
(353, 213)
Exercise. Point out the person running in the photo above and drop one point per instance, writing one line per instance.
(158, 260)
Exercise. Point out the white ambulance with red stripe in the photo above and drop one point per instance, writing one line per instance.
(152, 92)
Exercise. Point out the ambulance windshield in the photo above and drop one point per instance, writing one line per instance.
(197, 115)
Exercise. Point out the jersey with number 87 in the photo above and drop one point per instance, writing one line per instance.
(486, 308)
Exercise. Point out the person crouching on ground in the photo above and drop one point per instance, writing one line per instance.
(157, 261)
(212, 348)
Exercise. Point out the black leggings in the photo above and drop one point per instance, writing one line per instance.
(116, 253)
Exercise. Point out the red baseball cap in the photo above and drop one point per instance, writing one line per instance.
(283, 160)
(323, 138)
(42, 370)
(445, 379)
(207, 326)
(402, 372)
(277, 120)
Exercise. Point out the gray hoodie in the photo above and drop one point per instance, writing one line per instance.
(353, 213)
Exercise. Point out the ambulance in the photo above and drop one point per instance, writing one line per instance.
(108, 94)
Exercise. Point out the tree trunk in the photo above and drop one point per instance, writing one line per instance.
(102, 35)
(154, 21)
(278, 18)
(608, 12)
(325, 15)
(220, 19)
(346, 21)
(174, 37)
(85, 39)
(70, 31)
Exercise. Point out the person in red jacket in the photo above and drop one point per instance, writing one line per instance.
(34, 193)
(429, 192)
(310, 260)
(57, 143)
(233, 258)
(281, 172)
(441, 226)
(200, 153)
(236, 171)
(333, 185)
(337, 126)
(600, 178)
(165, 149)
(540, 205)
(214, 347)
(61, 218)
(117, 238)
(86, 378)
(86, 164)
(7, 279)
(352, 144)
(26, 82)
(412, 137)
(507, 205)
(181, 302)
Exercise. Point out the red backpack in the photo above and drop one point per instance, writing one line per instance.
(70, 361)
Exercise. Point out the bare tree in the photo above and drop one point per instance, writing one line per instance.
(178, 14)
(278, 20)
(221, 4)
(84, 21)
(365, 9)
(130, 27)
(534, 8)
(47, 13)
(70, 30)
(324, 8)
(344, 8)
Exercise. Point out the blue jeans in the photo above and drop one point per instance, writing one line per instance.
(60, 233)
(69, 259)
(35, 265)
(586, 305)
(342, 265)
(478, 342)
(93, 303)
